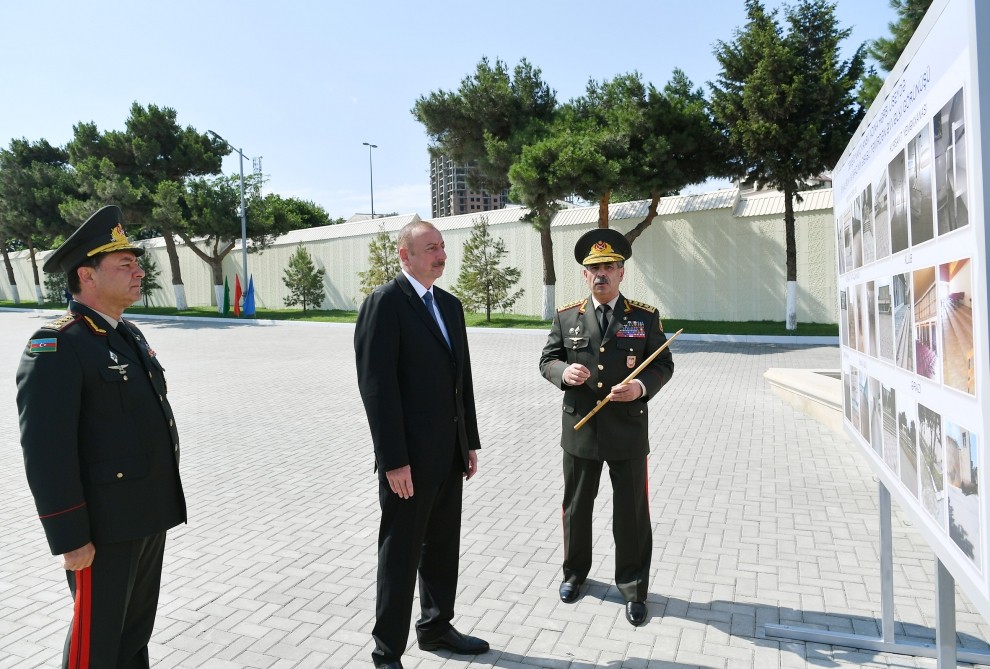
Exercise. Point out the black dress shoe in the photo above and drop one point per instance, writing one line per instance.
(570, 588)
(636, 613)
(455, 642)
(389, 665)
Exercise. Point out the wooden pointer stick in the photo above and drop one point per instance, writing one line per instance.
(629, 378)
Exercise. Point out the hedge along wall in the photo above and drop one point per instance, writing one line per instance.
(713, 256)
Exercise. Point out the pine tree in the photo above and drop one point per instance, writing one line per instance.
(886, 50)
(149, 282)
(482, 282)
(383, 263)
(56, 286)
(304, 281)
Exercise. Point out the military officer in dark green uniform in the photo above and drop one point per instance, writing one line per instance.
(101, 451)
(594, 344)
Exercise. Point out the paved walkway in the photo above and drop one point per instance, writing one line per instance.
(760, 515)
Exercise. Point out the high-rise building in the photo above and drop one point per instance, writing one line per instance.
(450, 192)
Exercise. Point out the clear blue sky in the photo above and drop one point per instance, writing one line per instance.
(303, 84)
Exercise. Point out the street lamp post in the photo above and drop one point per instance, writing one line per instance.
(243, 215)
(371, 174)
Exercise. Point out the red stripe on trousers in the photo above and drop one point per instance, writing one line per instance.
(82, 615)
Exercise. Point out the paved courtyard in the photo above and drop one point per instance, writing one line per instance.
(761, 515)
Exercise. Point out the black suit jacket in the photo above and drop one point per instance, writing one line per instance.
(101, 450)
(417, 391)
(620, 429)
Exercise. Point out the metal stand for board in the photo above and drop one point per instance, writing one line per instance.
(944, 649)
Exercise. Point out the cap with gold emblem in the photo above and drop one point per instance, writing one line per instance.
(103, 232)
(602, 245)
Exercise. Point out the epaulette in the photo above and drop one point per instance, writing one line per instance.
(571, 305)
(643, 305)
(62, 322)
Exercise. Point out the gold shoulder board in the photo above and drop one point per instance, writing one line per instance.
(643, 305)
(61, 322)
(571, 305)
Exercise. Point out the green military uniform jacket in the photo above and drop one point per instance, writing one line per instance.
(619, 430)
(101, 449)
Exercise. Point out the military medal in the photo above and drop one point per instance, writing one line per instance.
(121, 368)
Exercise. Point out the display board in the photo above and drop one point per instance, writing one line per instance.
(911, 236)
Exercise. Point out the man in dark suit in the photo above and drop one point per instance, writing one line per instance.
(101, 449)
(594, 344)
(414, 374)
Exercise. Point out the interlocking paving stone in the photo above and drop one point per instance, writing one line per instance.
(761, 515)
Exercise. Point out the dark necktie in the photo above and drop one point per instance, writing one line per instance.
(603, 323)
(428, 298)
(126, 334)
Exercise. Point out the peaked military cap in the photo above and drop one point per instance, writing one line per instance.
(103, 232)
(602, 245)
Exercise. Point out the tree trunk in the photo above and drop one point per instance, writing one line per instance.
(218, 292)
(603, 209)
(791, 251)
(10, 271)
(651, 213)
(35, 273)
(549, 274)
(173, 262)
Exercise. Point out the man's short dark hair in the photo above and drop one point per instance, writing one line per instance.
(72, 277)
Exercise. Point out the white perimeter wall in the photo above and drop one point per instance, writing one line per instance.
(714, 256)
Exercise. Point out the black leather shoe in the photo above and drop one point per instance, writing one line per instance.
(570, 588)
(389, 665)
(636, 613)
(455, 642)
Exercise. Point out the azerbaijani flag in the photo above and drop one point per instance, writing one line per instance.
(43, 345)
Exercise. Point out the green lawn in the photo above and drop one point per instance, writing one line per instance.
(498, 320)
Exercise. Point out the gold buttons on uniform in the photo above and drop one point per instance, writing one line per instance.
(120, 475)
(171, 422)
(599, 384)
(601, 350)
(601, 366)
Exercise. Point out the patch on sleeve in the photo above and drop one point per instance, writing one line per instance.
(46, 345)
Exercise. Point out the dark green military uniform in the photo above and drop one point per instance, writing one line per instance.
(617, 434)
(101, 453)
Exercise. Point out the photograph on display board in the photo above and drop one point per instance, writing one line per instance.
(907, 438)
(903, 322)
(897, 185)
(963, 490)
(927, 360)
(864, 405)
(885, 323)
(857, 237)
(881, 219)
(847, 395)
(868, 317)
(863, 207)
(890, 445)
(932, 464)
(876, 417)
(845, 241)
(854, 342)
(854, 400)
(843, 319)
(919, 169)
(951, 199)
(955, 281)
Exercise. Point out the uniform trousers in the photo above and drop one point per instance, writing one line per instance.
(116, 599)
(631, 527)
(420, 534)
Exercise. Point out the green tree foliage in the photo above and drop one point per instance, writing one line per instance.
(34, 179)
(785, 103)
(482, 281)
(489, 121)
(383, 263)
(304, 281)
(142, 169)
(886, 50)
(149, 282)
(56, 286)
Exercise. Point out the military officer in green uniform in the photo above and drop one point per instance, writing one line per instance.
(101, 451)
(594, 344)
